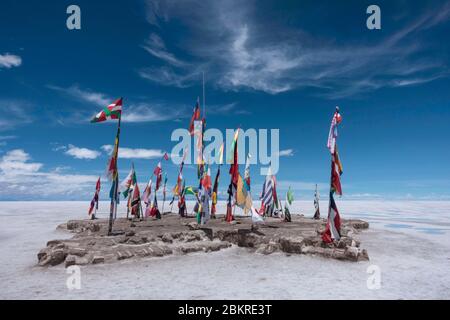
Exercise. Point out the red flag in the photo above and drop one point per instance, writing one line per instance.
(336, 171)
(113, 111)
(94, 201)
(195, 116)
(166, 156)
(333, 228)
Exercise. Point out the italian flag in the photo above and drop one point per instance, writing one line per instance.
(113, 111)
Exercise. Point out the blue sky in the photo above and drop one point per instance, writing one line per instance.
(268, 64)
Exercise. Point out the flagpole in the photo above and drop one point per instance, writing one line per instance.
(113, 207)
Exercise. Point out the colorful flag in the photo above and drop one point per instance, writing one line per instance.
(333, 228)
(129, 182)
(247, 171)
(256, 217)
(333, 130)
(94, 201)
(287, 205)
(215, 191)
(164, 187)
(221, 154)
(189, 190)
(195, 116)
(243, 196)
(158, 174)
(316, 204)
(135, 203)
(147, 192)
(336, 172)
(206, 181)
(234, 168)
(113, 111)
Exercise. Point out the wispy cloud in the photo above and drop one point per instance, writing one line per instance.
(138, 153)
(9, 61)
(20, 177)
(156, 47)
(15, 113)
(241, 51)
(132, 111)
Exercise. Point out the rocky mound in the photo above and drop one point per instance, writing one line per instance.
(174, 235)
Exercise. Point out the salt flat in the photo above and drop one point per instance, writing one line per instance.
(408, 240)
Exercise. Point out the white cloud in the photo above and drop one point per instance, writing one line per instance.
(22, 179)
(240, 50)
(87, 95)
(156, 47)
(81, 153)
(286, 153)
(9, 60)
(129, 153)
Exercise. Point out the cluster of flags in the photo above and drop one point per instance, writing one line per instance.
(333, 227)
(239, 189)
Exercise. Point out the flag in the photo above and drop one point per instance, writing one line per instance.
(111, 169)
(243, 196)
(113, 111)
(336, 172)
(316, 204)
(164, 187)
(333, 130)
(158, 174)
(287, 205)
(177, 189)
(166, 156)
(135, 203)
(195, 116)
(129, 182)
(333, 228)
(215, 190)
(206, 181)
(190, 190)
(147, 192)
(247, 171)
(94, 201)
(234, 168)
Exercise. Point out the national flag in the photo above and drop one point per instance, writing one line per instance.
(336, 172)
(333, 130)
(316, 204)
(247, 171)
(147, 192)
(94, 201)
(234, 168)
(333, 228)
(190, 190)
(256, 217)
(158, 173)
(113, 111)
(243, 196)
(166, 156)
(129, 182)
(267, 192)
(206, 181)
(195, 116)
(215, 191)
(221, 154)
(135, 202)
(287, 205)
(164, 187)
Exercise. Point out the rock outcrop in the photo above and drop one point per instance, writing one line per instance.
(174, 235)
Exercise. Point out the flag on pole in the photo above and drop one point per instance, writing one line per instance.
(287, 205)
(247, 171)
(215, 191)
(195, 116)
(206, 181)
(147, 192)
(336, 172)
(316, 204)
(333, 130)
(135, 202)
(243, 196)
(129, 182)
(164, 187)
(158, 174)
(113, 111)
(94, 201)
(332, 230)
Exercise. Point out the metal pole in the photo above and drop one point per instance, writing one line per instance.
(113, 207)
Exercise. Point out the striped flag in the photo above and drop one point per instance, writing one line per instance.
(195, 116)
(336, 172)
(113, 111)
(129, 182)
(94, 202)
(333, 130)
(267, 192)
(215, 191)
(247, 171)
(333, 228)
(316, 204)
